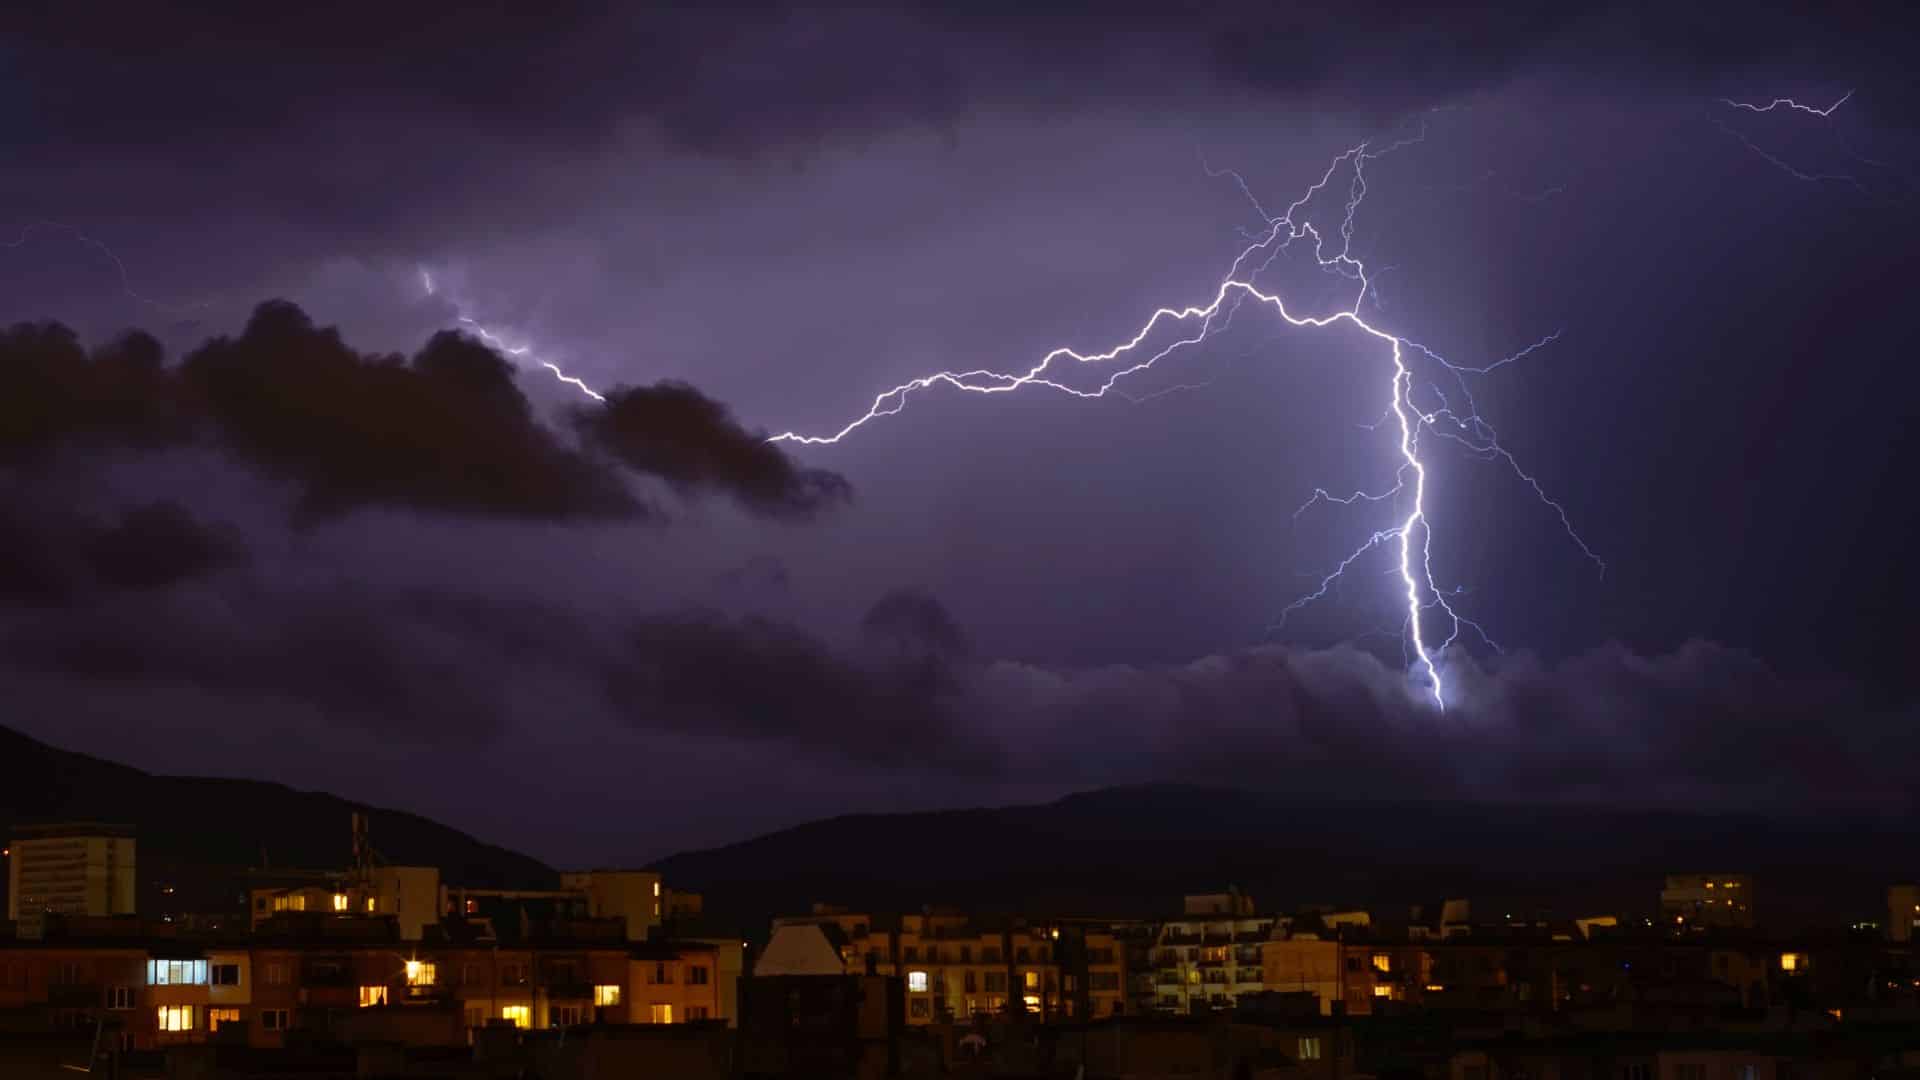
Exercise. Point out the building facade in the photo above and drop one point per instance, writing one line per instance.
(72, 869)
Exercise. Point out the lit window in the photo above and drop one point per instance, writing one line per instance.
(1382, 991)
(372, 904)
(420, 974)
(372, 995)
(519, 1015)
(339, 901)
(656, 888)
(1382, 962)
(1434, 988)
(1032, 1002)
(216, 1017)
(606, 995)
(1033, 980)
(1791, 961)
(176, 1018)
(1709, 884)
(296, 902)
(1309, 1048)
(661, 1014)
(176, 973)
(917, 981)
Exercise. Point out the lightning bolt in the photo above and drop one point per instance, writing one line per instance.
(1463, 424)
(515, 351)
(1787, 103)
(28, 230)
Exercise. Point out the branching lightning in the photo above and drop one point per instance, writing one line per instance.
(1461, 424)
(515, 351)
(1788, 103)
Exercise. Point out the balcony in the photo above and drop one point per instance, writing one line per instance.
(570, 991)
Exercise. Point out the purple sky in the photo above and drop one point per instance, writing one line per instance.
(606, 636)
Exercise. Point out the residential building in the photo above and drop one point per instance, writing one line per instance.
(68, 869)
(1211, 955)
(1698, 901)
(1903, 912)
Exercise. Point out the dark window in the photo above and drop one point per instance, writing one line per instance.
(968, 983)
(966, 954)
(226, 974)
(697, 975)
(910, 953)
(918, 1007)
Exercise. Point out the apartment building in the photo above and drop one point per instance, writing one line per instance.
(1698, 901)
(68, 869)
(955, 966)
(1211, 955)
(147, 986)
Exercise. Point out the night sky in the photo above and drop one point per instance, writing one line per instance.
(296, 528)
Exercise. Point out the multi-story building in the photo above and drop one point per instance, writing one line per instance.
(1697, 901)
(68, 869)
(1210, 956)
(955, 966)
(146, 984)
(1903, 912)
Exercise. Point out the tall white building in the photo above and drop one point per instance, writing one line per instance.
(68, 869)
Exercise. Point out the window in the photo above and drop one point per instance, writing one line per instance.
(656, 889)
(339, 901)
(1639, 1071)
(276, 974)
(67, 974)
(1383, 991)
(470, 973)
(969, 982)
(606, 995)
(917, 1008)
(216, 1017)
(120, 997)
(273, 1019)
(989, 956)
(519, 1016)
(1309, 1048)
(476, 1018)
(563, 1016)
(513, 974)
(933, 954)
(917, 982)
(1032, 979)
(660, 1013)
(1793, 961)
(1032, 1002)
(296, 902)
(697, 975)
(176, 973)
(1690, 1071)
(966, 954)
(1353, 963)
(1382, 962)
(910, 954)
(662, 975)
(372, 995)
(226, 974)
(175, 1018)
(421, 973)
(995, 982)
(1746, 1072)
(696, 1012)
(1104, 980)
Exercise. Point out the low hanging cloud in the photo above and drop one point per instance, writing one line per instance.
(446, 431)
(51, 554)
(905, 695)
(673, 431)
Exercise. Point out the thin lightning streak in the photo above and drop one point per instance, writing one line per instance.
(1282, 230)
(119, 266)
(1787, 103)
(516, 351)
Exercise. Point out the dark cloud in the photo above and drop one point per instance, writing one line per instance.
(735, 78)
(159, 544)
(673, 431)
(447, 431)
(51, 553)
(914, 622)
(759, 679)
